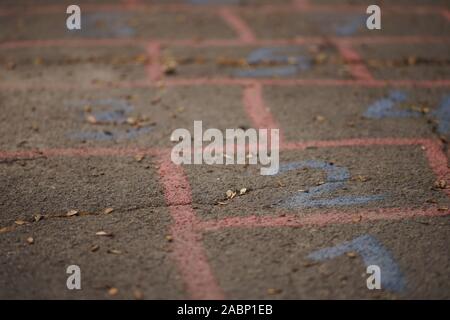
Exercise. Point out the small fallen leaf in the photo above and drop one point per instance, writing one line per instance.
(4, 229)
(38, 217)
(103, 234)
(113, 291)
(138, 294)
(319, 118)
(114, 251)
(273, 291)
(169, 238)
(139, 157)
(242, 191)
(443, 208)
(72, 213)
(132, 121)
(441, 184)
(94, 248)
(91, 119)
(38, 61)
(108, 210)
(30, 240)
(20, 222)
(230, 194)
(351, 254)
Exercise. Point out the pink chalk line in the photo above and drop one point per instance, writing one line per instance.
(154, 71)
(188, 250)
(243, 31)
(354, 61)
(257, 111)
(319, 219)
(181, 82)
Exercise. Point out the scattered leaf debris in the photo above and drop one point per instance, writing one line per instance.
(114, 251)
(138, 294)
(72, 213)
(108, 210)
(113, 291)
(38, 217)
(274, 291)
(139, 157)
(91, 119)
(231, 194)
(440, 184)
(103, 234)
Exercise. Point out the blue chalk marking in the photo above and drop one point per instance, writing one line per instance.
(109, 135)
(106, 24)
(336, 179)
(372, 253)
(274, 55)
(115, 114)
(385, 107)
(443, 115)
(118, 109)
(350, 26)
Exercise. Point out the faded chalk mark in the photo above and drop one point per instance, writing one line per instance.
(385, 107)
(442, 115)
(350, 26)
(293, 64)
(106, 135)
(336, 179)
(106, 25)
(372, 252)
(112, 112)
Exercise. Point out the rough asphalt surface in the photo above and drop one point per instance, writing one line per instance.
(86, 118)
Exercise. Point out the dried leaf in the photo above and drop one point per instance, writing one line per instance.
(103, 234)
(4, 229)
(20, 222)
(113, 291)
(94, 248)
(139, 157)
(441, 184)
(169, 238)
(242, 191)
(273, 291)
(138, 294)
(108, 210)
(319, 118)
(38, 217)
(30, 240)
(230, 194)
(91, 119)
(72, 213)
(114, 251)
(351, 254)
